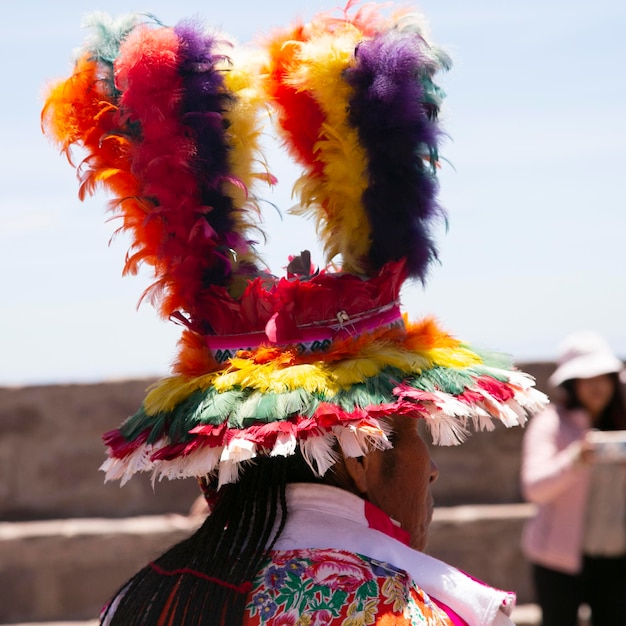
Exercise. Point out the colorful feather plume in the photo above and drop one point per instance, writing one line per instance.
(357, 107)
(152, 108)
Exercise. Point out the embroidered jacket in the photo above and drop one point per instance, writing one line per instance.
(337, 588)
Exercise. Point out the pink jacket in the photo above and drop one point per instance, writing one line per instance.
(552, 480)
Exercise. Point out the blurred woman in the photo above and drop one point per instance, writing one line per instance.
(577, 540)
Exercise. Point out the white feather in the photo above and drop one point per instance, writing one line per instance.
(350, 444)
(168, 469)
(499, 410)
(532, 400)
(481, 420)
(229, 472)
(519, 379)
(203, 461)
(198, 463)
(137, 461)
(113, 467)
(285, 445)
(374, 434)
(449, 405)
(446, 430)
(519, 410)
(238, 450)
(318, 452)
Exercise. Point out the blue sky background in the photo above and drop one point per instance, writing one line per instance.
(535, 192)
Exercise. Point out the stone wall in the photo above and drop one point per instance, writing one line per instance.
(51, 448)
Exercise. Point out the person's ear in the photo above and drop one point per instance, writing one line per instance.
(357, 470)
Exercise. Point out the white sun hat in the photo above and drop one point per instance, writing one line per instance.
(584, 354)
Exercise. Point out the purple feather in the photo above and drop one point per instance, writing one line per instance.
(397, 127)
(205, 100)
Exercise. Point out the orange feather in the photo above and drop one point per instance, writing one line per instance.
(194, 357)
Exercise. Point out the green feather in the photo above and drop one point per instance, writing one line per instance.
(273, 407)
(180, 420)
(246, 411)
(136, 424)
(497, 360)
(266, 408)
(374, 390)
(482, 370)
(107, 34)
(215, 407)
(446, 379)
(295, 402)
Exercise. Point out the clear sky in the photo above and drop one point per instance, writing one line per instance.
(533, 185)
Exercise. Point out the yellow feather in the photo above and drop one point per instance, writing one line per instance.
(244, 117)
(243, 374)
(342, 223)
(454, 357)
(104, 174)
(312, 378)
(246, 159)
(390, 355)
(353, 371)
(272, 378)
(373, 359)
(167, 394)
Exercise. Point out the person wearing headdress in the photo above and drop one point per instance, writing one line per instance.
(577, 540)
(294, 401)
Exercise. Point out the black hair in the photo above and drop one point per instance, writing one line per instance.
(204, 580)
(614, 415)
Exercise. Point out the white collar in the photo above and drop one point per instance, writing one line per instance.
(327, 517)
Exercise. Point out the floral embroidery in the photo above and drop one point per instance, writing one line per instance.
(264, 604)
(394, 593)
(361, 614)
(337, 588)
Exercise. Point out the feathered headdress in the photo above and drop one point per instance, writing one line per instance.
(170, 120)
